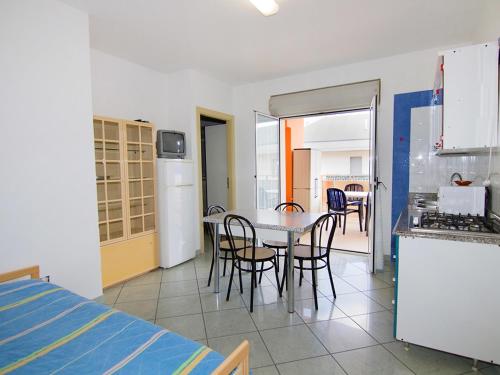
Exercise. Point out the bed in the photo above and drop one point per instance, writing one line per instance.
(47, 329)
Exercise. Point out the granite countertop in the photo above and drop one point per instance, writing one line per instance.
(402, 228)
(297, 222)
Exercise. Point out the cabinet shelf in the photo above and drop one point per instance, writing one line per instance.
(125, 165)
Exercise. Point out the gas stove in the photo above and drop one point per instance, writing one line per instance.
(451, 222)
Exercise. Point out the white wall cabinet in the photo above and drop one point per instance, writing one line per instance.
(470, 115)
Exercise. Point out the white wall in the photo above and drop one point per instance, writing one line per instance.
(126, 90)
(338, 163)
(398, 74)
(189, 89)
(48, 195)
(216, 157)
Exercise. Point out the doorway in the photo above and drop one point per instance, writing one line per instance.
(215, 143)
(348, 141)
(330, 151)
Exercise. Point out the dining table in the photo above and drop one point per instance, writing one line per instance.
(269, 224)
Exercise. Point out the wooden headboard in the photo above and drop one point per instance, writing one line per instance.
(33, 272)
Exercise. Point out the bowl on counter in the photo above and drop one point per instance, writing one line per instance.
(463, 182)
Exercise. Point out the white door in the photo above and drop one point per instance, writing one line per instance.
(267, 160)
(376, 260)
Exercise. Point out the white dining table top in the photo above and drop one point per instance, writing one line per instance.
(297, 222)
(356, 194)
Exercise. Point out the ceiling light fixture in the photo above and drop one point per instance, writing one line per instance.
(266, 7)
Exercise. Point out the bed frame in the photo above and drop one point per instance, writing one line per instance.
(236, 363)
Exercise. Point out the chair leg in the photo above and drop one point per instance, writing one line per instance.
(254, 279)
(230, 282)
(360, 215)
(301, 263)
(276, 260)
(331, 279)
(345, 223)
(283, 279)
(313, 262)
(340, 221)
(239, 273)
(261, 272)
(225, 261)
(211, 269)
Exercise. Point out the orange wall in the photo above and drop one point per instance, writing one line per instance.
(294, 138)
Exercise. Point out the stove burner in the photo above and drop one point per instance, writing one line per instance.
(444, 221)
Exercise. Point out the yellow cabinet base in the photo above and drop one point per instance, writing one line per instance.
(124, 260)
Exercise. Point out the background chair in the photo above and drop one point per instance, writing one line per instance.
(278, 245)
(354, 187)
(249, 254)
(224, 247)
(338, 204)
(317, 254)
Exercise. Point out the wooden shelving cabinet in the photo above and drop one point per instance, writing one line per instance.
(125, 162)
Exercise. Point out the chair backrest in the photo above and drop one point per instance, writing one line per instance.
(354, 187)
(289, 206)
(245, 230)
(324, 226)
(212, 210)
(336, 199)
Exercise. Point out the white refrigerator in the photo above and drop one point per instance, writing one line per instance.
(176, 211)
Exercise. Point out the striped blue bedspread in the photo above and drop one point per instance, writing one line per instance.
(45, 329)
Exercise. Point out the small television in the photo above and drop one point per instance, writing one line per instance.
(170, 144)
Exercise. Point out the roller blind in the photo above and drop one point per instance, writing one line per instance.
(328, 99)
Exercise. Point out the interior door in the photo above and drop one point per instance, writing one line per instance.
(267, 161)
(376, 260)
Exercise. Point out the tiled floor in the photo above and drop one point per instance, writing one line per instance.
(351, 336)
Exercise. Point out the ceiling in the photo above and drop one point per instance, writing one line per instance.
(232, 41)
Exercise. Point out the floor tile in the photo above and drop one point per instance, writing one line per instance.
(263, 295)
(259, 356)
(217, 301)
(382, 296)
(492, 370)
(341, 287)
(190, 326)
(326, 310)
(228, 322)
(374, 360)
(109, 295)
(427, 361)
(223, 284)
(341, 334)
(176, 306)
(379, 325)
(138, 293)
(267, 370)
(357, 304)
(274, 316)
(292, 343)
(318, 365)
(142, 309)
(153, 277)
(346, 269)
(365, 282)
(386, 277)
(181, 272)
(178, 288)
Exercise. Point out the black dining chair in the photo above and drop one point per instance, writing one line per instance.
(280, 245)
(338, 204)
(317, 254)
(249, 255)
(224, 247)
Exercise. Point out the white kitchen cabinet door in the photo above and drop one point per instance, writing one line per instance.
(470, 113)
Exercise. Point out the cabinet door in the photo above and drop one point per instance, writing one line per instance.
(470, 115)
(109, 176)
(140, 178)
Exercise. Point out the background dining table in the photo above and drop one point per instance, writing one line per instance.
(269, 225)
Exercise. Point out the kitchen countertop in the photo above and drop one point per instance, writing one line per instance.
(402, 229)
